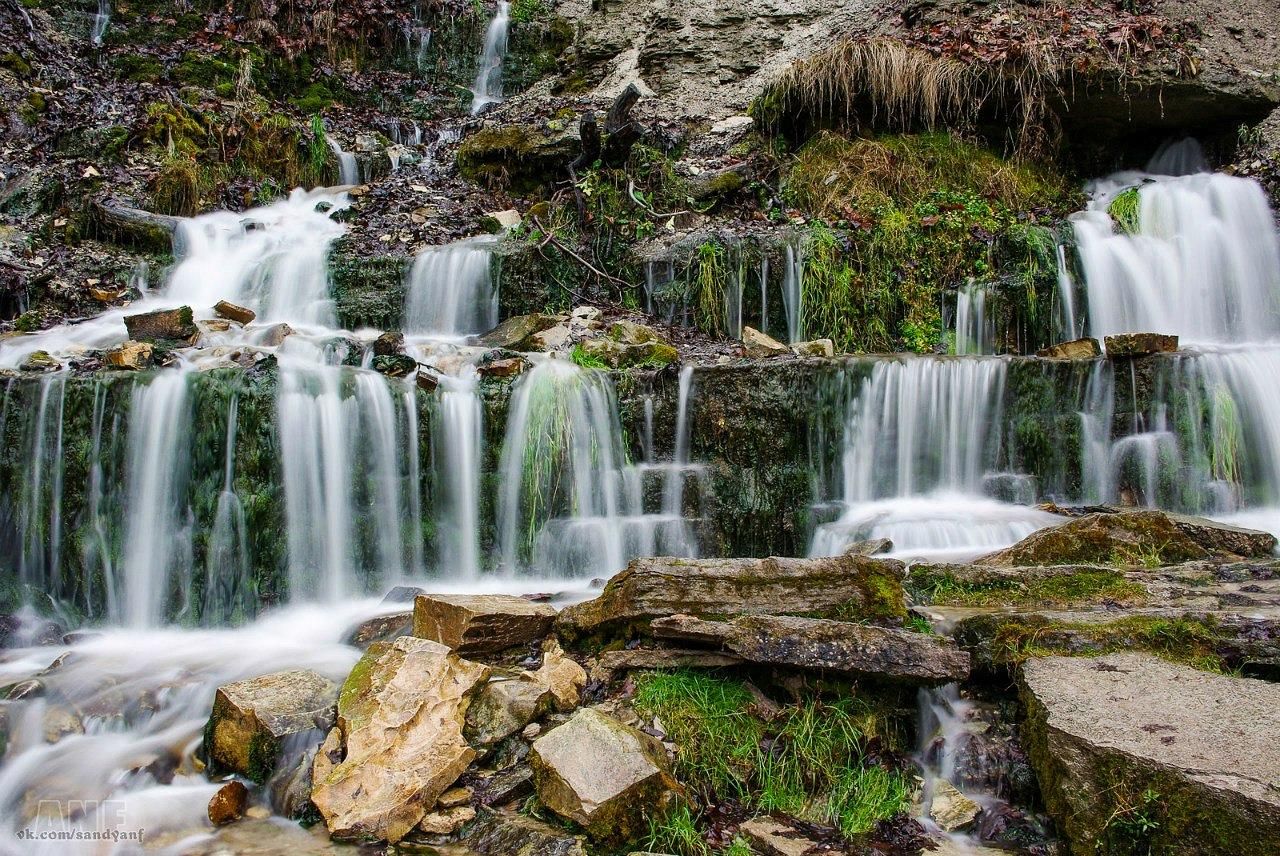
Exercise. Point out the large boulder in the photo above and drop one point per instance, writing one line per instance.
(400, 720)
(1137, 753)
(1223, 539)
(252, 719)
(480, 623)
(760, 345)
(1124, 538)
(855, 587)
(174, 326)
(603, 775)
(234, 312)
(815, 643)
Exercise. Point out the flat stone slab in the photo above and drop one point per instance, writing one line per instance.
(816, 643)
(1103, 732)
(481, 623)
(251, 719)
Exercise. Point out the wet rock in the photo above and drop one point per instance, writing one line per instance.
(213, 325)
(233, 312)
(289, 788)
(760, 345)
(503, 707)
(503, 367)
(380, 628)
(870, 547)
(400, 717)
(446, 821)
(514, 332)
(130, 355)
(389, 344)
(607, 777)
(816, 643)
(563, 677)
(498, 833)
(518, 156)
(427, 380)
(454, 797)
(1194, 752)
(610, 663)
(620, 356)
(1223, 539)
(228, 804)
(403, 594)
(395, 365)
(483, 623)
(274, 336)
(1125, 538)
(163, 325)
(631, 333)
(39, 361)
(498, 221)
(855, 586)
(1140, 344)
(556, 338)
(952, 810)
(815, 348)
(22, 631)
(251, 718)
(1077, 349)
(772, 838)
(505, 785)
(58, 722)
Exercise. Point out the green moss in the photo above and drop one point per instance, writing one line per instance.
(138, 68)
(1124, 210)
(316, 98)
(15, 63)
(1071, 589)
(201, 69)
(581, 357)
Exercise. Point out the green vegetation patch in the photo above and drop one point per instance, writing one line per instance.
(1080, 588)
(1124, 210)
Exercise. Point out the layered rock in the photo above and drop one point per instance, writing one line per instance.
(1127, 737)
(162, 325)
(399, 726)
(503, 707)
(1124, 538)
(483, 623)
(502, 834)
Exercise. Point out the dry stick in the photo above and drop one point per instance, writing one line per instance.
(588, 265)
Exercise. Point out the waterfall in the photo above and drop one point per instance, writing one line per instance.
(39, 507)
(764, 295)
(918, 438)
(348, 166)
(564, 509)
(487, 88)
(458, 449)
(101, 20)
(227, 559)
(793, 290)
(975, 331)
(450, 291)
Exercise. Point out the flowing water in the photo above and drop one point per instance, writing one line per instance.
(451, 291)
(487, 88)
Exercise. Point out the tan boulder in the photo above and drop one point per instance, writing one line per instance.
(446, 821)
(400, 718)
(760, 345)
(274, 336)
(481, 623)
(228, 804)
(130, 355)
(1076, 349)
(1140, 344)
(563, 677)
(951, 809)
(815, 348)
(231, 311)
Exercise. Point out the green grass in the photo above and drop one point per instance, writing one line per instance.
(677, 833)
(580, 357)
(1081, 588)
(1189, 641)
(809, 762)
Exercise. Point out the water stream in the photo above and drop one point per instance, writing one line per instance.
(487, 88)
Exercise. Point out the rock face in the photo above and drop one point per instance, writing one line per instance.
(855, 586)
(1225, 539)
(380, 628)
(232, 312)
(400, 718)
(1129, 537)
(1104, 732)
(605, 776)
(502, 834)
(1077, 349)
(1140, 344)
(815, 643)
(482, 623)
(252, 718)
(163, 325)
(760, 345)
(130, 355)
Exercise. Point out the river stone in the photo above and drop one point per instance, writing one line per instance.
(1100, 732)
(162, 325)
(815, 348)
(400, 716)
(817, 643)
(480, 623)
(770, 837)
(389, 344)
(515, 331)
(130, 355)
(1124, 538)
(380, 628)
(1140, 344)
(855, 586)
(228, 804)
(609, 778)
(1077, 349)
(251, 719)
(503, 707)
(446, 821)
(273, 336)
(760, 345)
(951, 809)
(557, 338)
(620, 356)
(233, 312)
(512, 783)
(499, 833)
(503, 367)
(562, 677)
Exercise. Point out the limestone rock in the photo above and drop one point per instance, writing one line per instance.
(482, 623)
(869, 547)
(815, 348)
(380, 628)
(605, 776)
(232, 312)
(620, 356)
(504, 786)
(162, 325)
(213, 325)
(562, 677)
(515, 331)
(503, 367)
(772, 838)
(556, 338)
(1124, 538)
(654, 587)
(400, 716)
(274, 336)
(1224, 539)
(130, 355)
(1103, 731)
(1140, 344)
(503, 707)
(760, 345)
(1077, 349)
(446, 821)
(951, 809)
(498, 833)
(40, 361)
(228, 804)
(630, 333)
(816, 643)
(610, 663)
(251, 718)
(454, 797)
(500, 220)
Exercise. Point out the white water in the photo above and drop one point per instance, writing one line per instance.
(793, 290)
(458, 450)
(101, 20)
(451, 291)
(348, 166)
(975, 330)
(487, 88)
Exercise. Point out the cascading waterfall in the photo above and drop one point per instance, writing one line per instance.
(451, 291)
(458, 446)
(975, 331)
(101, 21)
(793, 290)
(227, 559)
(348, 166)
(918, 439)
(487, 88)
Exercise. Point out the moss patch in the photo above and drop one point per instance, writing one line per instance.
(1080, 588)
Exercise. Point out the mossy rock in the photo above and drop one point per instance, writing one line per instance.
(519, 157)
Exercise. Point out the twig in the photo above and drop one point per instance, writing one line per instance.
(588, 265)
